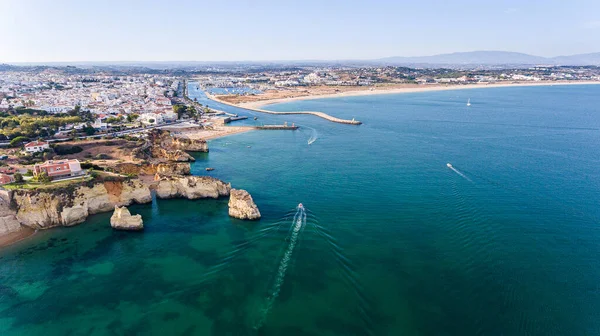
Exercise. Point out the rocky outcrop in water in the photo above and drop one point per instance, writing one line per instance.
(242, 206)
(190, 187)
(123, 220)
(67, 207)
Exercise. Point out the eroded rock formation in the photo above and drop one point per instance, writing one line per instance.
(8, 216)
(123, 220)
(161, 145)
(46, 209)
(242, 206)
(191, 187)
(166, 168)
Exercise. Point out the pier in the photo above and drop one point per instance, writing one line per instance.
(230, 119)
(318, 114)
(277, 127)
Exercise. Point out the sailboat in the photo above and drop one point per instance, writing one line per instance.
(469, 102)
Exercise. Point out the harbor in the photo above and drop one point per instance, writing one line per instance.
(315, 113)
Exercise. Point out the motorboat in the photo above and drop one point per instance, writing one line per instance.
(300, 206)
(448, 165)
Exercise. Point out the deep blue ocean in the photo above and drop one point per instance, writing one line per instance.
(394, 242)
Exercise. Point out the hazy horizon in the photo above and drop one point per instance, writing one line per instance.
(36, 31)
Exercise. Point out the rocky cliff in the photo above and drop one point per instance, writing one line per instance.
(166, 168)
(190, 187)
(162, 146)
(8, 217)
(190, 145)
(242, 206)
(67, 206)
(123, 220)
(46, 209)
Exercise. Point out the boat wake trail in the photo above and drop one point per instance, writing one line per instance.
(313, 135)
(459, 173)
(298, 224)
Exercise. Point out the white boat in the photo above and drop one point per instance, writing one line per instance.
(448, 165)
(469, 102)
(300, 206)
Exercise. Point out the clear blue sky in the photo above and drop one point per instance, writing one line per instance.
(225, 30)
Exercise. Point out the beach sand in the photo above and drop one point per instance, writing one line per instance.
(378, 91)
(13, 237)
(217, 132)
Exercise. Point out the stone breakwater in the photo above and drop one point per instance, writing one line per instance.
(315, 113)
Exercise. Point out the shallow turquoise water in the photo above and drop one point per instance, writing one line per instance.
(395, 242)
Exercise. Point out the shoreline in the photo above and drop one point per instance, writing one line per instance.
(220, 132)
(260, 110)
(17, 236)
(258, 105)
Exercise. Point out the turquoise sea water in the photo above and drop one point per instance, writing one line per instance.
(394, 242)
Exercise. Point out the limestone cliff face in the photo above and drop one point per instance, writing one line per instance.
(168, 154)
(42, 210)
(8, 216)
(161, 145)
(190, 145)
(191, 187)
(123, 220)
(242, 206)
(166, 168)
(172, 168)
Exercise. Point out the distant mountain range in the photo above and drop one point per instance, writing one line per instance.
(494, 58)
(472, 59)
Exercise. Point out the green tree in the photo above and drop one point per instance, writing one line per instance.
(132, 117)
(151, 121)
(18, 141)
(112, 120)
(18, 177)
(89, 130)
(42, 177)
(180, 110)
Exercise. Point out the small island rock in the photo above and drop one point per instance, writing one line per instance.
(242, 206)
(123, 220)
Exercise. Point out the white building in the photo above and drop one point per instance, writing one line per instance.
(151, 118)
(36, 146)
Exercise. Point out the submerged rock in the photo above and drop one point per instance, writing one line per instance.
(123, 220)
(242, 206)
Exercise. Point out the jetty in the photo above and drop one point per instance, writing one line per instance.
(277, 127)
(315, 113)
(230, 119)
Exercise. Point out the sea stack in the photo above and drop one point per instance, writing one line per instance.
(123, 220)
(242, 206)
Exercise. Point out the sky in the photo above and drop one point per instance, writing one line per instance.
(258, 30)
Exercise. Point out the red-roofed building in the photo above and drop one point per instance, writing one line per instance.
(36, 146)
(59, 168)
(8, 170)
(4, 179)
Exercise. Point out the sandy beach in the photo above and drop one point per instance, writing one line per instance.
(13, 237)
(380, 91)
(216, 132)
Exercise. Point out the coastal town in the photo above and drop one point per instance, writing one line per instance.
(45, 111)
